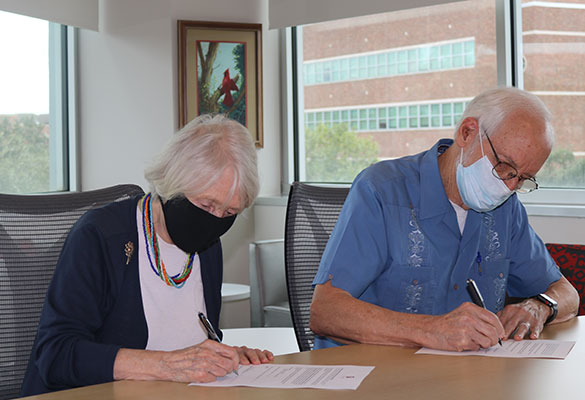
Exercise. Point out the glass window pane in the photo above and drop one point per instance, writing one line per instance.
(553, 70)
(410, 72)
(29, 161)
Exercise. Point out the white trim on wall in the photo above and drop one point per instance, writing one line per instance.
(78, 13)
(285, 13)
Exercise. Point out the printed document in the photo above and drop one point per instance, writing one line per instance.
(289, 376)
(512, 349)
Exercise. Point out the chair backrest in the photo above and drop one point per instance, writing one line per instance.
(311, 214)
(267, 279)
(33, 229)
(571, 260)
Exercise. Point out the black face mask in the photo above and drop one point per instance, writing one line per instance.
(192, 229)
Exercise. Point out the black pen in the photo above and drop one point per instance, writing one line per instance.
(476, 297)
(211, 332)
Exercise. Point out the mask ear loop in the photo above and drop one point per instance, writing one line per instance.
(480, 141)
(480, 145)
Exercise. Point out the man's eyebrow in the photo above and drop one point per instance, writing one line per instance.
(504, 157)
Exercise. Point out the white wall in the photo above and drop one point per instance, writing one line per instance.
(128, 103)
(569, 230)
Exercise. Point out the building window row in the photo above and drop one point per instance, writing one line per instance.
(420, 59)
(390, 117)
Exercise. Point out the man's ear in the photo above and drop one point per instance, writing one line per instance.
(467, 132)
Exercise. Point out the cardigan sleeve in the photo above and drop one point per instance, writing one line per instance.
(77, 302)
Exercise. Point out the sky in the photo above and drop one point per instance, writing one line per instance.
(24, 66)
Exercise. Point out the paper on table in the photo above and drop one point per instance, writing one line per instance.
(515, 349)
(288, 376)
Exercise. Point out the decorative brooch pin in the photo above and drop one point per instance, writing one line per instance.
(128, 250)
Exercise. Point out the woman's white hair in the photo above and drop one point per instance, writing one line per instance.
(196, 157)
(492, 107)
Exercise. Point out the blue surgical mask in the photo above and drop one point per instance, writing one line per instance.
(480, 190)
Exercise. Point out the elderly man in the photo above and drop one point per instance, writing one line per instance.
(414, 230)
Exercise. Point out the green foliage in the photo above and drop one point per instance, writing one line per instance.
(335, 154)
(562, 169)
(24, 154)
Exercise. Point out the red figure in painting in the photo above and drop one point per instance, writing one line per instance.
(227, 86)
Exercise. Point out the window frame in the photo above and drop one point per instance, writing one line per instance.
(62, 113)
(63, 150)
(543, 202)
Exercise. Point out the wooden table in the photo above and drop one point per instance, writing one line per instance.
(399, 374)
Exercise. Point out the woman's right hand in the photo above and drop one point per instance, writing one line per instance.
(204, 362)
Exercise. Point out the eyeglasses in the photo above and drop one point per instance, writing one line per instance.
(505, 171)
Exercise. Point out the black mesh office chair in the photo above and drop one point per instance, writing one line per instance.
(32, 231)
(310, 217)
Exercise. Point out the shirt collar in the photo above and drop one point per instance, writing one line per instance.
(434, 200)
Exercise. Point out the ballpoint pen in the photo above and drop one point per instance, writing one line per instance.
(211, 332)
(476, 297)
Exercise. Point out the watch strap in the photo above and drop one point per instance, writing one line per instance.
(552, 304)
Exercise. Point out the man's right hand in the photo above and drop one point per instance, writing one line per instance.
(468, 327)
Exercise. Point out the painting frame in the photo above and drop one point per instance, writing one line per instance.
(202, 89)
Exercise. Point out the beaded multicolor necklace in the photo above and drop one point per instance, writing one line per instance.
(152, 243)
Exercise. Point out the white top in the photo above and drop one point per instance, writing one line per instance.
(461, 215)
(171, 313)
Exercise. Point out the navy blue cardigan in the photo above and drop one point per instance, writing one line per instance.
(94, 304)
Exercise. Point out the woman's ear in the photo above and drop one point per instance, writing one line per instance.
(467, 132)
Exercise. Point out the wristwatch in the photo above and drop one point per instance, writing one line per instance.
(549, 302)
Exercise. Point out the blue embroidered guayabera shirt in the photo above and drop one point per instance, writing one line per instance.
(397, 244)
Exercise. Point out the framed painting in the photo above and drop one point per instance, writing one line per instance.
(220, 71)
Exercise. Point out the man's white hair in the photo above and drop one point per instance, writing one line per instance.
(492, 107)
(196, 156)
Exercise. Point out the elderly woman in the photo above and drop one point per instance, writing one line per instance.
(134, 275)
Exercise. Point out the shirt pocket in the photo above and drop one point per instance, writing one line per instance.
(492, 281)
(409, 289)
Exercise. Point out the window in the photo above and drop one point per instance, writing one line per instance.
(376, 119)
(553, 43)
(399, 92)
(453, 55)
(33, 105)
(410, 74)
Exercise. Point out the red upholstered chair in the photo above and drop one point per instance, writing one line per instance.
(571, 260)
